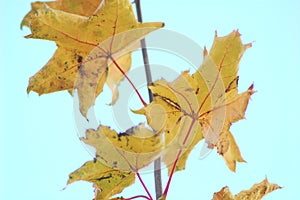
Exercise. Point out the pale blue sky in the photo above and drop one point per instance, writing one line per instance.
(39, 143)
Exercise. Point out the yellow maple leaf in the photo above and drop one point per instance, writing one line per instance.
(79, 7)
(129, 151)
(77, 35)
(256, 192)
(201, 105)
(107, 181)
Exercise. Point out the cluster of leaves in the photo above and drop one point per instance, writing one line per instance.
(95, 39)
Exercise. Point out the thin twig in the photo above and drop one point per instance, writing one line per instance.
(138, 196)
(142, 182)
(171, 175)
(157, 162)
(131, 83)
(178, 156)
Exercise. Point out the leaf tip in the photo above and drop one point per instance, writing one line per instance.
(205, 52)
(251, 86)
(23, 23)
(249, 45)
(70, 180)
(140, 111)
(236, 32)
(233, 169)
(216, 33)
(29, 89)
(251, 89)
(28, 36)
(64, 188)
(275, 186)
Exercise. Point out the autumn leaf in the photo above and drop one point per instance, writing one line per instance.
(201, 105)
(118, 158)
(256, 192)
(79, 7)
(129, 151)
(77, 35)
(107, 181)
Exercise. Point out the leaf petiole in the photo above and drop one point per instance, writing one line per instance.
(128, 79)
(177, 157)
(138, 196)
(145, 187)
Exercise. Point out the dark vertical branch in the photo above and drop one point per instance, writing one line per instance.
(157, 163)
(144, 50)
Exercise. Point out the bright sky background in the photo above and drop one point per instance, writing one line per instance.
(39, 143)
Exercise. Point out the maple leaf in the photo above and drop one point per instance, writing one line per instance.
(201, 105)
(79, 7)
(256, 192)
(107, 181)
(76, 36)
(129, 151)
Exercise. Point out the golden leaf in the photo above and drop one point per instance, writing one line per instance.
(256, 192)
(129, 151)
(79, 7)
(107, 181)
(76, 36)
(201, 105)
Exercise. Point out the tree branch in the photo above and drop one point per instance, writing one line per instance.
(157, 162)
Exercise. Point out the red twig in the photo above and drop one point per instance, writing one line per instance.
(131, 83)
(145, 187)
(177, 157)
(138, 196)
(171, 175)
